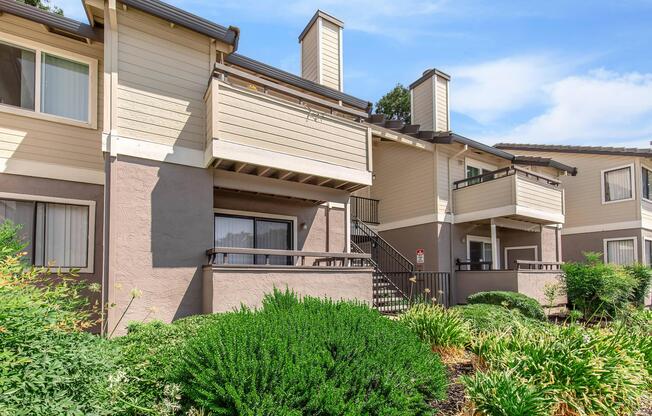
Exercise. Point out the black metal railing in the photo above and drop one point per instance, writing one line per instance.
(501, 173)
(364, 209)
(473, 264)
(229, 256)
(538, 265)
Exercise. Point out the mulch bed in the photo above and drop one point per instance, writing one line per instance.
(455, 396)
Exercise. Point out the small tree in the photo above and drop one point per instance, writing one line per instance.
(395, 104)
(43, 5)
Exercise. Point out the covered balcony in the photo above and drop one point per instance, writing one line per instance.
(259, 127)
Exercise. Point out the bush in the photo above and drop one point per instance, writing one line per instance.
(440, 328)
(643, 276)
(310, 357)
(485, 318)
(10, 243)
(527, 306)
(598, 289)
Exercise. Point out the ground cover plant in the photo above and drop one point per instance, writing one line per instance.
(511, 300)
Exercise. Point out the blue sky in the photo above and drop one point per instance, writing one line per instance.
(569, 72)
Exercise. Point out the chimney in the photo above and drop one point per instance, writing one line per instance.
(321, 51)
(429, 101)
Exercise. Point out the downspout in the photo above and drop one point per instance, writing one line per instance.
(451, 210)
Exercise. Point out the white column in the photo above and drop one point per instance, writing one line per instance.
(494, 247)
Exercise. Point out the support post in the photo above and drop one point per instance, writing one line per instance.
(494, 246)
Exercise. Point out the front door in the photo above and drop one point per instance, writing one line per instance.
(479, 251)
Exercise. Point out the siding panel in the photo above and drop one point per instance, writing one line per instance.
(330, 50)
(422, 106)
(310, 55)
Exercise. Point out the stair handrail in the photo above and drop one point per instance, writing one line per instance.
(400, 258)
(378, 270)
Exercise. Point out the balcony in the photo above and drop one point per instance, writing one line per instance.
(259, 127)
(512, 193)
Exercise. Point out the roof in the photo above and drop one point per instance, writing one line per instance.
(597, 150)
(324, 16)
(188, 20)
(427, 74)
(53, 21)
(544, 161)
(296, 81)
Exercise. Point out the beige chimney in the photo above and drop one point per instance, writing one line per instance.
(429, 101)
(321, 51)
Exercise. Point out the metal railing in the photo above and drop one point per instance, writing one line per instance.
(269, 257)
(538, 265)
(365, 209)
(473, 265)
(501, 173)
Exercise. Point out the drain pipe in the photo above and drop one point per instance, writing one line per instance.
(450, 208)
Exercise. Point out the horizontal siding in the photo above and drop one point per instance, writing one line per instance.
(260, 121)
(404, 181)
(535, 196)
(487, 195)
(310, 55)
(330, 50)
(162, 78)
(646, 212)
(27, 138)
(422, 106)
(441, 95)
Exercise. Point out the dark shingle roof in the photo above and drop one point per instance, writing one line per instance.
(188, 20)
(51, 20)
(295, 80)
(598, 150)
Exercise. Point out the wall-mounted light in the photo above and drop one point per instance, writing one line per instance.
(304, 226)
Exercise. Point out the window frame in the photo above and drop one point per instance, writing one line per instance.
(649, 169)
(481, 239)
(632, 180)
(606, 240)
(39, 49)
(468, 161)
(90, 256)
(646, 261)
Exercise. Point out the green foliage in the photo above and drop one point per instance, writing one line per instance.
(643, 276)
(485, 318)
(310, 357)
(395, 104)
(598, 289)
(437, 326)
(10, 243)
(511, 300)
(44, 5)
(504, 394)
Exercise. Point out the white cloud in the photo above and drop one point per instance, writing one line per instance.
(490, 90)
(600, 107)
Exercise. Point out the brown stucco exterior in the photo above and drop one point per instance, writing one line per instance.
(227, 288)
(576, 244)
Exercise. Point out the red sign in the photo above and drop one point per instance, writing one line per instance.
(421, 256)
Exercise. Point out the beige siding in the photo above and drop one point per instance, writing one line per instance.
(27, 138)
(646, 212)
(422, 106)
(584, 205)
(441, 96)
(263, 122)
(404, 181)
(162, 78)
(532, 195)
(310, 55)
(330, 50)
(493, 194)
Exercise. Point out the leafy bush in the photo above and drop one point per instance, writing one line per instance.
(643, 276)
(10, 243)
(485, 318)
(310, 357)
(527, 306)
(503, 394)
(596, 288)
(439, 327)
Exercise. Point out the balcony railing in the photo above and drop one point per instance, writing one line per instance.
(501, 173)
(365, 209)
(230, 256)
(538, 265)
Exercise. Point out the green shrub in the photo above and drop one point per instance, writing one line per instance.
(437, 326)
(527, 306)
(310, 357)
(598, 289)
(643, 276)
(502, 394)
(10, 242)
(485, 318)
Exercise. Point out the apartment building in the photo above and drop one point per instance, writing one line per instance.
(608, 205)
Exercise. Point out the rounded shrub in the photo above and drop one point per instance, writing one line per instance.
(526, 305)
(310, 356)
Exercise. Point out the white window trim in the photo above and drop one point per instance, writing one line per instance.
(261, 215)
(536, 252)
(90, 260)
(477, 164)
(632, 179)
(645, 259)
(477, 238)
(40, 48)
(606, 240)
(644, 166)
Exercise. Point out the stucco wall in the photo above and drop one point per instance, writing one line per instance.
(408, 239)
(161, 225)
(226, 288)
(573, 245)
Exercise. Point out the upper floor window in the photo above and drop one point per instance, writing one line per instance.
(617, 184)
(646, 183)
(46, 82)
(477, 168)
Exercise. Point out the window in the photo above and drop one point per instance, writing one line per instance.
(620, 251)
(648, 252)
(617, 184)
(40, 81)
(646, 183)
(476, 168)
(58, 234)
(253, 232)
(479, 250)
